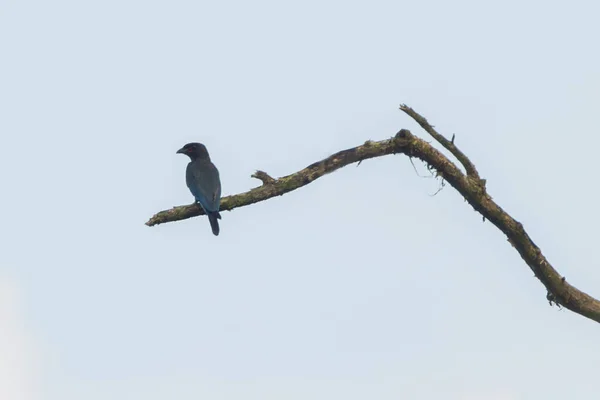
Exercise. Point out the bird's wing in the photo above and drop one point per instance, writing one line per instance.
(203, 181)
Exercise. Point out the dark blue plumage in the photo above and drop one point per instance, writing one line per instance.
(202, 178)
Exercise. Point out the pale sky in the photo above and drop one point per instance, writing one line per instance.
(360, 285)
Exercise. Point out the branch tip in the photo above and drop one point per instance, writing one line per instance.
(264, 177)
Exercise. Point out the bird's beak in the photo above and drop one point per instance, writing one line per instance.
(180, 151)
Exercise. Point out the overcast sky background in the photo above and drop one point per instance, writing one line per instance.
(360, 285)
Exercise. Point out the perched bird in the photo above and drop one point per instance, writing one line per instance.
(202, 178)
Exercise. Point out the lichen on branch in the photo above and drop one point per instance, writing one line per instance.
(469, 185)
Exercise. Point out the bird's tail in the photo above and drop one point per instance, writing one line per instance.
(214, 223)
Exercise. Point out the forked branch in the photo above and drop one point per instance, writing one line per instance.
(469, 185)
(448, 144)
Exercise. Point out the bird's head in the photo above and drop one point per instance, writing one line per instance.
(194, 151)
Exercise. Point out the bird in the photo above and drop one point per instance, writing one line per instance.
(202, 178)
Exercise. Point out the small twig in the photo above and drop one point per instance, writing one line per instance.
(464, 160)
(264, 177)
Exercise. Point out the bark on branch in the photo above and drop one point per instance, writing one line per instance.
(469, 185)
(448, 144)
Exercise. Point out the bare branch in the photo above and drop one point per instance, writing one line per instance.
(448, 144)
(278, 187)
(559, 291)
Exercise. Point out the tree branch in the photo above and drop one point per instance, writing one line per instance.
(277, 187)
(448, 144)
(470, 186)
